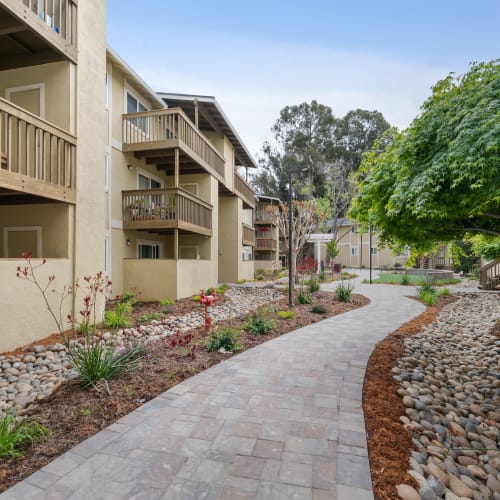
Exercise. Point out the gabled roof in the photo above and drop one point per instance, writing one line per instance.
(211, 117)
(133, 77)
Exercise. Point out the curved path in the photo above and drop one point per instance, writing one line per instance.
(281, 421)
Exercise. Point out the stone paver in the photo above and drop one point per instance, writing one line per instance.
(281, 421)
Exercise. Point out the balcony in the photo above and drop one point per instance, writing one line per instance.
(37, 32)
(37, 159)
(155, 136)
(248, 235)
(264, 217)
(267, 244)
(163, 210)
(244, 191)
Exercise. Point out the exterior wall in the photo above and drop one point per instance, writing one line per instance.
(155, 279)
(74, 101)
(52, 219)
(229, 239)
(58, 99)
(24, 317)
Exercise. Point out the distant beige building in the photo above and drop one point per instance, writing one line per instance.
(97, 172)
(267, 236)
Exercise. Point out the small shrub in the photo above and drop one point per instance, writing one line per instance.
(429, 298)
(345, 275)
(426, 288)
(322, 276)
(240, 282)
(259, 324)
(286, 314)
(259, 271)
(444, 291)
(405, 279)
(16, 432)
(318, 309)
(259, 277)
(127, 298)
(95, 361)
(313, 286)
(196, 298)
(119, 316)
(303, 298)
(224, 287)
(344, 290)
(166, 305)
(398, 264)
(227, 339)
(144, 318)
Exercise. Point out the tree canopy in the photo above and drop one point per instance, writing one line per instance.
(321, 151)
(440, 178)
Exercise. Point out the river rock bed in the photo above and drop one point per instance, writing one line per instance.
(450, 385)
(38, 372)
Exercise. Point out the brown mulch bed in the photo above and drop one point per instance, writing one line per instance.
(388, 445)
(74, 414)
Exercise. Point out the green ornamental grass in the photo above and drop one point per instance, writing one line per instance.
(16, 432)
(227, 338)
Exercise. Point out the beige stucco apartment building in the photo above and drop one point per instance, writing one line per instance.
(97, 172)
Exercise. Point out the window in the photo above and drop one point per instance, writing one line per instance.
(106, 255)
(135, 106)
(146, 182)
(246, 254)
(354, 229)
(106, 172)
(354, 250)
(374, 250)
(148, 250)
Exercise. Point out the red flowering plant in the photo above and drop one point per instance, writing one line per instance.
(93, 358)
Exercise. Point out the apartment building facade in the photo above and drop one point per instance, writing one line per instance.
(99, 173)
(52, 62)
(267, 237)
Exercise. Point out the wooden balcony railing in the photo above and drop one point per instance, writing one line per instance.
(166, 209)
(244, 191)
(36, 157)
(170, 128)
(55, 21)
(264, 218)
(489, 276)
(266, 244)
(248, 235)
(444, 262)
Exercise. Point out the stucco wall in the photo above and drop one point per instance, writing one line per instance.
(154, 279)
(229, 239)
(24, 315)
(53, 219)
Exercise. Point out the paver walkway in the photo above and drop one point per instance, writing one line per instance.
(281, 421)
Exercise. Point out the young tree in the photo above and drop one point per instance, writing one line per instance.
(440, 179)
(306, 216)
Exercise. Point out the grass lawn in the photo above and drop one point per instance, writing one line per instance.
(414, 280)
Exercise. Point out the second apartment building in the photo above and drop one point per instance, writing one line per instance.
(179, 216)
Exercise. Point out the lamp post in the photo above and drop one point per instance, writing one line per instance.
(290, 243)
(370, 254)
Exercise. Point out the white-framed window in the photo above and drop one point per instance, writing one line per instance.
(147, 249)
(189, 252)
(374, 250)
(107, 267)
(106, 171)
(246, 253)
(147, 181)
(108, 89)
(133, 104)
(17, 240)
(354, 229)
(354, 251)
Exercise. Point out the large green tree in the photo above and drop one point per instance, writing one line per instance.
(440, 178)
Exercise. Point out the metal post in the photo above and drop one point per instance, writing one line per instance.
(290, 243)
(370, 254)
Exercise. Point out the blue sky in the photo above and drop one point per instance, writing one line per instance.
(257, 57)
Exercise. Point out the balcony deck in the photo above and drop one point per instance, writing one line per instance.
(155, 135)
(163, 210)
(35, 32)
(266, 244)
(37, 159)
(248, 235)
(244, 191)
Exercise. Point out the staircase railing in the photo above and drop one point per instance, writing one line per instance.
(489, 275)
